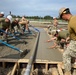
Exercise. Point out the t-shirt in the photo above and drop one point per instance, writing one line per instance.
(1, 21)
(5, 25)
(72, 27)
(14, 24)
(63, 34)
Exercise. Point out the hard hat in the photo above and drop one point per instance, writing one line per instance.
(54, 17)
(2, 13)
(62, 10)
(9, 17)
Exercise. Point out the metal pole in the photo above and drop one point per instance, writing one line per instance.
(29, 66)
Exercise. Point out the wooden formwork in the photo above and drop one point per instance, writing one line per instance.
(38, 67)
(47, 68)
(6, 68)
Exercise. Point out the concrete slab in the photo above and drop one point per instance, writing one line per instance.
(43, 53)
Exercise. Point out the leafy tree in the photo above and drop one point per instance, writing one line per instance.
(48, 17)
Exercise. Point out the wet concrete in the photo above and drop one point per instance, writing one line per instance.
(43, 53)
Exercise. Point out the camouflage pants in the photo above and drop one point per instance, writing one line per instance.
(21, 28)
(15, 28)
(68, 54)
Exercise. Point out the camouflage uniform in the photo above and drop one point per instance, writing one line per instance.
(23, 25)
(54, 27)
(1, 21)
(62, 35)
(15, 26)
(4, 26)
(70, 52)
(71, 49)
(52, 30)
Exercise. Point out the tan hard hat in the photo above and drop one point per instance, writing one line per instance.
(62, 10)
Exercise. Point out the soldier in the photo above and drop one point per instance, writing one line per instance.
(55, 22)
(70, 52)
(63, 38)
(24, 24)
(54, 27)
(1, 20)
(1, 14)
(15, 26)
(6, 24)
(60, 38)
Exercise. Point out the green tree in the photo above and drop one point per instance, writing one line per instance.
(48, 17)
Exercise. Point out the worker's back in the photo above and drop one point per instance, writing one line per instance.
(63, 34)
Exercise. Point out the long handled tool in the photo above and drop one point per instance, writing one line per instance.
(13, 47)
(12, 36)
(9, 34)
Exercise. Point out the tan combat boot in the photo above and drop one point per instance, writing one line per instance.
(67, 73)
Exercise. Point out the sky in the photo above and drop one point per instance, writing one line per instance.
(36, 7)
